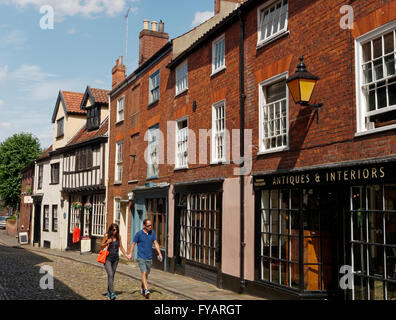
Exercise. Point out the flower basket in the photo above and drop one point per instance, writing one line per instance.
(77, 205)
(88, 206)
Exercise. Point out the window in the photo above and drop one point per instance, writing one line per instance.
(55, 218)
(373, 242)
(182, 78)
(119, 161)
(274, 124)
(40, 177)
(75, 221)
(200, 234)
(182, 144)
(157, 214)
(272, 21)
(154, 90)
(376, 79)
(55, 173)
(46, 218)
(218, 54)
(98, 216)
(218, 132)
(153, 142)
(84, 159)
(60, 127)
(93, 118)
(117, 211)
(120, 109)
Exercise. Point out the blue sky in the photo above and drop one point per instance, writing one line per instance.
(81, 50)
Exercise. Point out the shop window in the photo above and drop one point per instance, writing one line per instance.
(200, 228)
(376, 80)
(157, 214)
(373, 242)
(98, 216)
(74, 215)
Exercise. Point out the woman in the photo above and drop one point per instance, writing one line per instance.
(112, 239)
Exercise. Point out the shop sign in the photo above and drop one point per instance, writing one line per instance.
(378, 173)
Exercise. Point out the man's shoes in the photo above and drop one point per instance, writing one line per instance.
(146, 294)
(113, 296)
(142, 292)
(108, 294)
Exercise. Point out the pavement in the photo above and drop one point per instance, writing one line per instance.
(176, 286)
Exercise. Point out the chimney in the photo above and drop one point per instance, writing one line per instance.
(118, 73)
(151, 40)
(217, 7)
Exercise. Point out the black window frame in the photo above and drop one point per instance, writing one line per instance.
(40, 177)
(55, 173)
(60, 128)
(93, 118)
(45, 218)
(55, 218)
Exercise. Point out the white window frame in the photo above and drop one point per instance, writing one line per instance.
(181, 146)
(214, 56)
(119, 155)
(153, 147)
(183, 79)
(99, 216)
(120, 111)
(361, 102)
(214, 155)
(262, 102)
(274, 35)
(117, 211)
(153, 89)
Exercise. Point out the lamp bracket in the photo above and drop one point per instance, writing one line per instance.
(314, 107)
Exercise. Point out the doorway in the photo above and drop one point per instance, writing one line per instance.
(37, 225)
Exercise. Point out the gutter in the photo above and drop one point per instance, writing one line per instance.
(242, 148)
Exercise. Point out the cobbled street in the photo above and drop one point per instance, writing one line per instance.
(20, 279)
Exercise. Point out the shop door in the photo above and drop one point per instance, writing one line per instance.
(137, 220)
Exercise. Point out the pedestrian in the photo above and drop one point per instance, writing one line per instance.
(144, 240)
(112, 239)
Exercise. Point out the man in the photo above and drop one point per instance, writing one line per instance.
(144, 240)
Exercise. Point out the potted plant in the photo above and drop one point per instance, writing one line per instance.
(77, 205)
(28, 189)
(88, 206)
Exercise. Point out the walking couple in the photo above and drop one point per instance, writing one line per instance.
(144, 240)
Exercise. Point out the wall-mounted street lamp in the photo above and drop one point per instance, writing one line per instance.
(301, 86)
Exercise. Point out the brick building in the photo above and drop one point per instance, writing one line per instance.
(26, 205)
(320, 195)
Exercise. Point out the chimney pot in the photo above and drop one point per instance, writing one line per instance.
(154, 25)
(161, 26)
(146, 24)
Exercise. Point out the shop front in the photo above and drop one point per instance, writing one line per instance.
(328, 232)
(151, 202)
(197, 236)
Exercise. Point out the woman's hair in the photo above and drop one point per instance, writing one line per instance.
(109, 232)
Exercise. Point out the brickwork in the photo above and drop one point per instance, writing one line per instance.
(26, 208)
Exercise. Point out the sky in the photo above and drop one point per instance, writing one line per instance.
(81, 49)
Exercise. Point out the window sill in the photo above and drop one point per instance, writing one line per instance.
(263, 43)
(133, 181)
(181, 92)
(217, 71)
(260, 153)
(180, 168)
(60, 137)
(373, 131)
(118, 183)
(152, 178)
(53, 184)
(119, 122)
(151, 104)
(218, 162)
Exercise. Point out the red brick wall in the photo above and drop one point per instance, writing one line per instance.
(26, 208)
(149, 43)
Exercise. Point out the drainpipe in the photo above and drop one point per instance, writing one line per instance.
(242, 147)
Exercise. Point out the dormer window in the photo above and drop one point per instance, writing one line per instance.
(60, 127)
(93, 118)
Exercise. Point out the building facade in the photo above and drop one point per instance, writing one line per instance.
(26, 205)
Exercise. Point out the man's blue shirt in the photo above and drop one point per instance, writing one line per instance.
(144, 243)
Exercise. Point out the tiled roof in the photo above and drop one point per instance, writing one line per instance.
(85, 135)
(100, 95)
(45, 154)
(73, 101)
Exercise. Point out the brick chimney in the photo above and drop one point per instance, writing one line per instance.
(118, 72)
(151, 40)
(217, 7)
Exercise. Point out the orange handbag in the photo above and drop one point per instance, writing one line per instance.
(103, 255)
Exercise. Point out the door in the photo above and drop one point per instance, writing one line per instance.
(37, 215)
(137, 220)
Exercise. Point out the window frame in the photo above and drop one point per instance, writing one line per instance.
(214, 158)
(152, 89)
(40, 176)
(361, 105)
(279, 33)
(214, 43)
(46, 218)
(118, 117)
(177, 164)
(151, 130)
(119, 162)
(60, 133)
(55, 175)
(55, 218)
(117, 211)
(93, 118)
(262, 99)
(185, 75)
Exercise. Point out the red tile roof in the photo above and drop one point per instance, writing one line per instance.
(100, 95)
(45, 154)
(85, 135)
(73, 101)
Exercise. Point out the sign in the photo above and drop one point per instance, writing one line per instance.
(362, 174)
(28, 199)
(64, 215)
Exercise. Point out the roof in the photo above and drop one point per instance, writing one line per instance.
(99, 96)
(83, 135)
(45, 154)
(71, 103)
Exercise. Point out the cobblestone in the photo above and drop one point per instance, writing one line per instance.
(20, 277)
